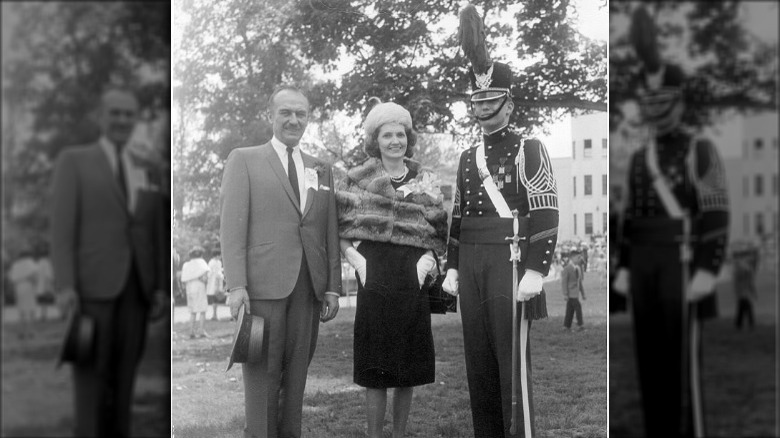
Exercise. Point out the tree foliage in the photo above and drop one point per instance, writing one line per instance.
(729, 68)
(234, 52)
(56, 62)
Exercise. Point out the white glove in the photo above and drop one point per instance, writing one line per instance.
(450, 284)
(703, 284)
(621, 282)
(358, 262)
(530, 285)
(424, 266)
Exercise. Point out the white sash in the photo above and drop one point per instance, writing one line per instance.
(490, 187)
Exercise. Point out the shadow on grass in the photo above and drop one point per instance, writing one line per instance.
(569, 378)
(738, 373)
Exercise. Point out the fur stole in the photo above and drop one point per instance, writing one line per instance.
(369, 208)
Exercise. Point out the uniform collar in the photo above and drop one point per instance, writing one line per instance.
(497, 136)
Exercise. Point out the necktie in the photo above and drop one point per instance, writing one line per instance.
(120, 172)
(292, 173)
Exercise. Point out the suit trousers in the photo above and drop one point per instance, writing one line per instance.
(573, 306)
(668, 378)
(485, 287)
(273, 387)
(104, 387)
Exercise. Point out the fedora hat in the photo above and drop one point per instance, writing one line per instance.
(79, 344)
(247, 339)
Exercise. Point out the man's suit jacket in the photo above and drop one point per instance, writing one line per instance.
(95, 237)
(264, 233)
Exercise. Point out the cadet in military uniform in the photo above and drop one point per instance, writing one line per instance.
(478, 253)
(671, 245)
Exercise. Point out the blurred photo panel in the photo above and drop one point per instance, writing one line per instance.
(693, 219)
(86, 219)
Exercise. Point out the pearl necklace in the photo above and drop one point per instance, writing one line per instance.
(399, 178)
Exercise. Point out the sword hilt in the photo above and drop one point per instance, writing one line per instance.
(514, 248)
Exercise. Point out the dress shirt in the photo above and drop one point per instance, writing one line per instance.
(135, 177)
(281, 151)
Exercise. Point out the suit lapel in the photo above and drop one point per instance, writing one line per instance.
(308, 162)
(273, 160)
(103, 166)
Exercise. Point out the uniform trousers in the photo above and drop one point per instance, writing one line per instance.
(104, 386)
(274, 386)
(485, 277)
(669, 377)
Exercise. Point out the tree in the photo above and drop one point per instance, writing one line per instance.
(730, 69)
(233, 53)
(58, 58)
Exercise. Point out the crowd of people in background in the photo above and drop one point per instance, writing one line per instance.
(202, 284)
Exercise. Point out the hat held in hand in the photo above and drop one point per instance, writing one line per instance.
(247, 339)
(79, 344)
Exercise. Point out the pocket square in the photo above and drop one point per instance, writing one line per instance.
(326, 188)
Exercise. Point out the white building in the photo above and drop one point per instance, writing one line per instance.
(753, 180)
(583, 191)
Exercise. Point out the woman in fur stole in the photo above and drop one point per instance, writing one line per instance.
(392, 224)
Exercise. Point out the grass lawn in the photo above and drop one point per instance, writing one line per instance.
(570, 379)
(38, 399)
(738, 371)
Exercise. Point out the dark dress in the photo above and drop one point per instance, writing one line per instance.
(393, 341)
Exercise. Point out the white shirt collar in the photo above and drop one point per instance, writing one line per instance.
(281, 148)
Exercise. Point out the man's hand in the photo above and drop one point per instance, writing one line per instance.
(235, 299)
(530, 285)
(358, 262)
(68, 301)
(424, 266)
(159, 305)
(450, 284)
(330, 307)
(621, 282)
(702, 285)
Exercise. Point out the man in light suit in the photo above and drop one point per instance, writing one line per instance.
(108, 234)
(281, 260)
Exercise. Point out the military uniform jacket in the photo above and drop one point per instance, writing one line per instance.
(523, 174)
(696, 176)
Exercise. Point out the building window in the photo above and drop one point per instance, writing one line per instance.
(573, 149)
(758, 148)
(746, 224)
(574, 184)
(588, 185)
(604, 188)
(745, 149)
(575, 224)
(745, 186)
(588, 150)
(605, 223)
(759, 185)
(588, 224)
(759, 224)
(603, 147)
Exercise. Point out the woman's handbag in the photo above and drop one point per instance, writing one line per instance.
(441, 302)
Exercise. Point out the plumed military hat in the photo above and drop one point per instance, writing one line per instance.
(496, 83)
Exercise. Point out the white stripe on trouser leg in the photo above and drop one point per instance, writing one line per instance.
(524, 371)
(698, 423)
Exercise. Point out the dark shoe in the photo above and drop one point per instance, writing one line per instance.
(580, 328)
(566, 329)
